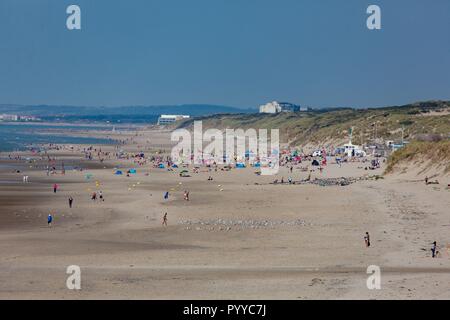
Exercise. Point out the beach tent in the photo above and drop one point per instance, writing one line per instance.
(174, 166)
(315, 163)
(133, 171)
(88, 176)
(118, 172)
(240, 165)
(257, 165)
(161, 166)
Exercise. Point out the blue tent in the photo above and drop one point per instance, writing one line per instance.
(118, 172)
(174, 166)
(161, 166)
(257, 165)
(132, 171)
(240, 165)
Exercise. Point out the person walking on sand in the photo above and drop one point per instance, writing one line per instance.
(100, 196)
(164, 223)
(426, 180)
(367, 239)
(49, 220)
(70, 201)
(55, 188)
(166, 195)
(434, 251)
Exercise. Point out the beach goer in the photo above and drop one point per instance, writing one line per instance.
(434, 251)
(166, 195)
(70, 201)
(367, 239)
(55, 188)
(100, 196)
(94, 196)
(49, 220)
(426, 180)
(164, 223)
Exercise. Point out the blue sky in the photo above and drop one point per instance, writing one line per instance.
(232, 52)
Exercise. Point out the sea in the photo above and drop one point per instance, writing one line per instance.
(19, 137)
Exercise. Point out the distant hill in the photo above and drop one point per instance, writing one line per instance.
(330, 126)
(125, 113)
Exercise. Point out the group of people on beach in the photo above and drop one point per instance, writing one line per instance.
(434, 248)
(100, 196)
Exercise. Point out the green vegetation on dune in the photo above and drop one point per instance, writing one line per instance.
(436, 152)
(330, 125)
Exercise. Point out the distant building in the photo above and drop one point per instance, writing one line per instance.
(171, 118)
(15, 117)
(277, 107)
(29, 118)
(304, 109)
(9, 117)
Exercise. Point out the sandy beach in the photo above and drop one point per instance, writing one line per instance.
(238, 237)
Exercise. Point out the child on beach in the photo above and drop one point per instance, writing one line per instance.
(70, 201)
(49, 220)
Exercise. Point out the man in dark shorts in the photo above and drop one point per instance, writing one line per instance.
(434, 250)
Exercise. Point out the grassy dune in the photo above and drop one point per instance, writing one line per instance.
(328, 126)
(436, 152)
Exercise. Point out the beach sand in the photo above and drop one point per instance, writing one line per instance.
(239, 236)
